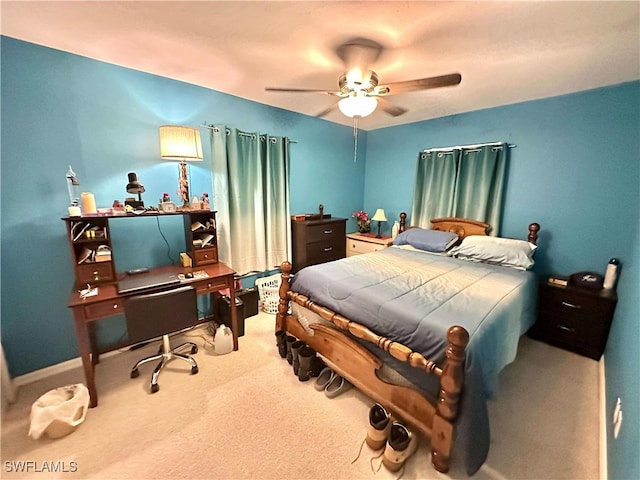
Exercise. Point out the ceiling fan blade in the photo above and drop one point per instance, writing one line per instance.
(327, 111)
(302, 90)
(390, 108)
(419, 84)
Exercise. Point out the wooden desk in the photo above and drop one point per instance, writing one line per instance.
(108, 302)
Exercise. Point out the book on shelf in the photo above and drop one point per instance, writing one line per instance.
(207, 241)
(86, 256)
(196, 226)
(197, 242)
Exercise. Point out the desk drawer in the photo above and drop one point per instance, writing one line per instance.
(95, 272)
(204, 256)
(211, 286)
(103, 309)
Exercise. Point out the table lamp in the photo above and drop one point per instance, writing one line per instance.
(379, 217)
(182, 144)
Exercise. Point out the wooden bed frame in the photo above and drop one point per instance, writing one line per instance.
(358, 365)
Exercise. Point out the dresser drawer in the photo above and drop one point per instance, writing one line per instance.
(322, 233)
(103, 309)
(330, 249)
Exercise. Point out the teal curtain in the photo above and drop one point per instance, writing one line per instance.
(251, 195)
(463, 182)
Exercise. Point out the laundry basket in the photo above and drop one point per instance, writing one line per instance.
(268, 288)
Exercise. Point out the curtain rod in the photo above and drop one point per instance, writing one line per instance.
(215, 129)
(444, 149)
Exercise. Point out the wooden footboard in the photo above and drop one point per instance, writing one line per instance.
(358, 365)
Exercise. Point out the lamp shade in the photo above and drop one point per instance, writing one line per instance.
(358, 105)
(180, 143)
(379, 216)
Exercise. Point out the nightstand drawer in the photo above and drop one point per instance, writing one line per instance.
(574, 318)
(570, 305)
(354, 247)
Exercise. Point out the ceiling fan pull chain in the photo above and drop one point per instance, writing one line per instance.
(355, 139)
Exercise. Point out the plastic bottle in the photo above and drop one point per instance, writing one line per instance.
(395, 229)
(611, 275)
(223, 340)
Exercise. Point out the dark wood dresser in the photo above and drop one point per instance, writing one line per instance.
(317, 241)
(574, 318)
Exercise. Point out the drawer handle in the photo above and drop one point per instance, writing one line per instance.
(328, 249)
(566, 329)
(115, 305)
(328, 232)
(572, 305)
(208, 285)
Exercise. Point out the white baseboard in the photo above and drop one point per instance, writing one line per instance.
(62, 367)
(603, 420)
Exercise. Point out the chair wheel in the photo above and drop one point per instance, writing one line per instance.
(194, 370)
(194, 350)
(155, 387)
(135, 373)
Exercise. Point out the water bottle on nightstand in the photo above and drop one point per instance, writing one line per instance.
(611, 275)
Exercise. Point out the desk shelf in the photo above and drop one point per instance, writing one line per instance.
(201, 237)
(90, 243)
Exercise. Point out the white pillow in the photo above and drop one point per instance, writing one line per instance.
(507, 252)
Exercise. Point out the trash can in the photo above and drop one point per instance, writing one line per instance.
(59, 412)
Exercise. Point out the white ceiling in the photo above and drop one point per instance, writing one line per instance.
(506, 52)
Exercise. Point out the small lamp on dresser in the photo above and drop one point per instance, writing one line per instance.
(379, 217)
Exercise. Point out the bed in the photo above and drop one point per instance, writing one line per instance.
(423, 331)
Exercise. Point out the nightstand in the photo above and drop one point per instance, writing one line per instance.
(358, 243)
(574, 318)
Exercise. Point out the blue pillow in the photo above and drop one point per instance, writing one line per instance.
(428, 240)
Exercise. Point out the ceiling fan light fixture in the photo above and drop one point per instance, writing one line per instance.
(358, 105)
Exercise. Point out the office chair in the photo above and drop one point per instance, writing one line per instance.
(158, 314)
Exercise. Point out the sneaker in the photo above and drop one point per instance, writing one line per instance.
(379, 425)
(401, 444)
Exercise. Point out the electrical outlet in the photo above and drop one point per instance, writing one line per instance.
(617, 418)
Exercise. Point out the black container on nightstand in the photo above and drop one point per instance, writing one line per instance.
(574, 318)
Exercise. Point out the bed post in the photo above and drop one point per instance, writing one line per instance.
(403, 222)
(283, 304)
(451, 383)
(534, 228)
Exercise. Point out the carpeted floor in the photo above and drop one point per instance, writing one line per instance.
(245, 416)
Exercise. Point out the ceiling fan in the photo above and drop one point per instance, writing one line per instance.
(359, 90)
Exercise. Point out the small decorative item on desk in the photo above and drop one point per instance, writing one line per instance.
(363, 221)
(195, 203)
(204, 201)
(321, 210)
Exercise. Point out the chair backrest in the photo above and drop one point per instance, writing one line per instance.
(155, 314)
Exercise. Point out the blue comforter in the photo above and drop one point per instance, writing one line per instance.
(413, 297)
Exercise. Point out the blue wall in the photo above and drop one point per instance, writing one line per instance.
(576, 171)
(60, 109)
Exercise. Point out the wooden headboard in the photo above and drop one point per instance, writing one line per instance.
(464, 227)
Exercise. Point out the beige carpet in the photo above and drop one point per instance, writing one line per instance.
(245, 416)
